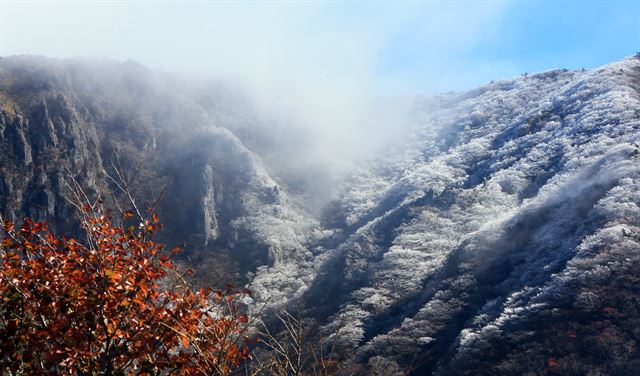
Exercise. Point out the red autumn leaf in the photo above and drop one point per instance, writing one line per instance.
(9, 226)
(185, 342)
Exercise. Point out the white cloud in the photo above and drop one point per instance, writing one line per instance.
(311, 65)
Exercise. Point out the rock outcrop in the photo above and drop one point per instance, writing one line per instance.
(81, 119)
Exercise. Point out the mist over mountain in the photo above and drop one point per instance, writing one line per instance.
(88, 117)
(492, 231)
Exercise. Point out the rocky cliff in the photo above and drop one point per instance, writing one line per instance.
(82, 119)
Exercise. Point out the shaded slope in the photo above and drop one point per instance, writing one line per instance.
(85, 117)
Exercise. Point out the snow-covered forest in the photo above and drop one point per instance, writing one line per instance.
(498, 230)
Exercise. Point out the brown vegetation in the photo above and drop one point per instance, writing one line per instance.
(111, 304)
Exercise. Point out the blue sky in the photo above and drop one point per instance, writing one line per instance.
(525, 36)
(386, 47)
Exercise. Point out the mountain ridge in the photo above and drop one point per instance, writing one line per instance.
(498, 232)
(503, 191)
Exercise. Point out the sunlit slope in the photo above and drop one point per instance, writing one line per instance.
(501, 235)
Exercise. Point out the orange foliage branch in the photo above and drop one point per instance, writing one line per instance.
(104, 307)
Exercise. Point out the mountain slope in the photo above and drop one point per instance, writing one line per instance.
(501, 235)
(498, 234)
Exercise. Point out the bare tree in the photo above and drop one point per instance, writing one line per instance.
(295, 348)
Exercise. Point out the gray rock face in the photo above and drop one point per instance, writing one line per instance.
(35, 157)
(80, 118)
(14, 137)
(211, 231)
